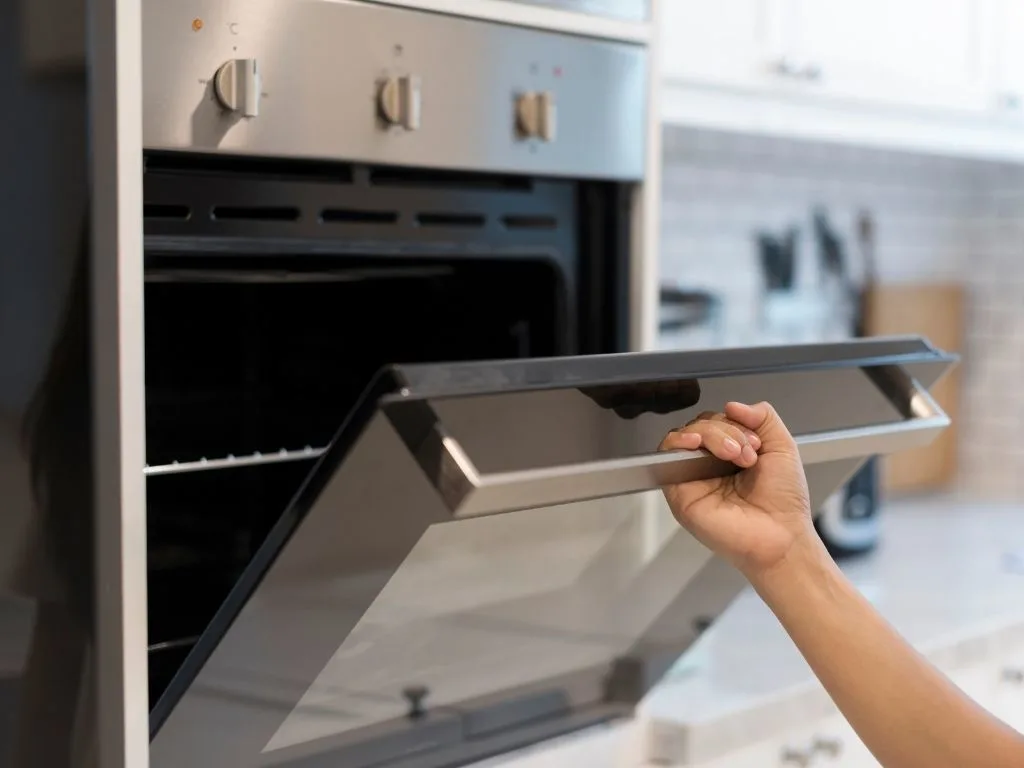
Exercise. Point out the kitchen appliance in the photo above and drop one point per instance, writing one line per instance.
(362, 564)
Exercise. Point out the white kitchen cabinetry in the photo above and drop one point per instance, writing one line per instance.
(728, 42)
(828, 744)
(911, 53)
(1006, 43)
(938, 76)
(997, 685)
(914, 52)
(1005, 690)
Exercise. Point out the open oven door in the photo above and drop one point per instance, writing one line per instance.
(482, 559)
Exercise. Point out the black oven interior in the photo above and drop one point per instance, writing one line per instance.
(276, 289)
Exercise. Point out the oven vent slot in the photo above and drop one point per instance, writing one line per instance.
(469, 220)
(157, 211)
(259, 168)
(426, 179)
(530, 222)
(254, 213)
(354, 216)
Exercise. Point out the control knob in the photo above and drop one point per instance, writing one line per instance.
(398, 101)
(536, 116)
(237, 86)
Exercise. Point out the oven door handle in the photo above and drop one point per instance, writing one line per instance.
(469, 493)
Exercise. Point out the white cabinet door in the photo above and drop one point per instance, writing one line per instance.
(836, 744)
(919, 53)
(723, 43)
(1007, 42)
(1006, 686)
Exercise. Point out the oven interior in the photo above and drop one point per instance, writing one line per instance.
(275, 290)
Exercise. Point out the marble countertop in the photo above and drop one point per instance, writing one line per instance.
(949, 575)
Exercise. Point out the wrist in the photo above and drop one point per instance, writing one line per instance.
(805, 563)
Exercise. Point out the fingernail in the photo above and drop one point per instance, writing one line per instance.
(749, 454)
(731, 445)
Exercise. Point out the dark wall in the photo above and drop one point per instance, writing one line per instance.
(42, 197)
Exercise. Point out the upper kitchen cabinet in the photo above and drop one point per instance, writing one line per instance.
(911, 53)
(1007, 48)
(728, 42)
(936, 76)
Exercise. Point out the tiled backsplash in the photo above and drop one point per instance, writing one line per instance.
(936, 219)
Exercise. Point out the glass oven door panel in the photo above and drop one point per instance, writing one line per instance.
(481, 558)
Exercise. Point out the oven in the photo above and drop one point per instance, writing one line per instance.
(370, 544)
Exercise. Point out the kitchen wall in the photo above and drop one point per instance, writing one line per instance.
(42, 201)
(936, 219)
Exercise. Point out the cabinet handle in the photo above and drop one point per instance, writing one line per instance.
(807, 72)
(1013, 675)
(797, 757)
(787, 68)
(812, 72)
(1010, 101)
(827, 746)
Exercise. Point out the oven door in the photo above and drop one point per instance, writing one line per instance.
(482, 559)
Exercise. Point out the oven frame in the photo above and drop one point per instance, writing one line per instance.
(538, 16)
(114, 71)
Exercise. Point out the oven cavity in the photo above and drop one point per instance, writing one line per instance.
(275, 290)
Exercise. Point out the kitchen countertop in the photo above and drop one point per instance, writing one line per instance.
(949, 575)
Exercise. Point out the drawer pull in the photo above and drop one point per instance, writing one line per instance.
(827, 746)
(797, 757)
(1013, 675)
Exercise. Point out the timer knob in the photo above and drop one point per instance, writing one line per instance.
(398, 101)
(537, 116)
(237, 86)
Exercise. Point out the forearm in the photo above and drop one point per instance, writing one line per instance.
(906, 712)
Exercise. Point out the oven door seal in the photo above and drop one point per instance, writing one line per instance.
(403, 420)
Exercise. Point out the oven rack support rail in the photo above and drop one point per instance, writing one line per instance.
(232, 462)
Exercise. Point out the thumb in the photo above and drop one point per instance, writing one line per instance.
(765, 421)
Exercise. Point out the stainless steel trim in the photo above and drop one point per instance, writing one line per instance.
(469, 493)
(626, 10)
(321, 64)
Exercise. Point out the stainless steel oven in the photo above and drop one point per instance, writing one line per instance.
(369, 543)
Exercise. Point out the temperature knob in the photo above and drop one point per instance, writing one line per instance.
(398, 101)
(537, 116)
(237, 85)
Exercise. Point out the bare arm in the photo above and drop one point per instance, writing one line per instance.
(906, 712)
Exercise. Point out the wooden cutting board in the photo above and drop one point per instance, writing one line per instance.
(936, 311)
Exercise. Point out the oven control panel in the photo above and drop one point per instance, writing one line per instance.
(380, 84)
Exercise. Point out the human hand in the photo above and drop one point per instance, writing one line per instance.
(756, 517)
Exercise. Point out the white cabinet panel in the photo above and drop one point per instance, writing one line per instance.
(1008, 57)
(836, 744)
(907, 53)
(725, 42)
(1006, 690)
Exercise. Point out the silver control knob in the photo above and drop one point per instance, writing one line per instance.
(398, 101)
(537, 116)
(237, 85)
